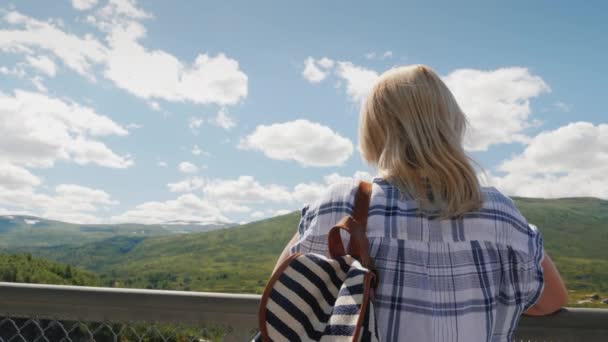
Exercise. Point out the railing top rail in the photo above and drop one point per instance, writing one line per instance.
(200, 308)
(110, 290)
(128, 305)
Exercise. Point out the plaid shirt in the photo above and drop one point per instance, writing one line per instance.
(466, 279)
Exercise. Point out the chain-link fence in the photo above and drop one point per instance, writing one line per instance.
(34, 329)
(32, 312)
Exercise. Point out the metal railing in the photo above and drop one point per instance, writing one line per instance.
(32, 312)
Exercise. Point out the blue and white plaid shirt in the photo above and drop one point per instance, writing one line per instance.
(466, 279)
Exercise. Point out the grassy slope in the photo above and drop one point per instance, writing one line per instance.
(575, 232)
(240, 259)
(232, 260)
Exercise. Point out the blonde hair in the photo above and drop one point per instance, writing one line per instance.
(411, 129)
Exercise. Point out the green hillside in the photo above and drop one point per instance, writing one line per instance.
(229, 260)
(23, 268)
(240, 259)
(575, 232)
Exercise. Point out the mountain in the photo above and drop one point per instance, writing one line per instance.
(240, 259)
(194, 226)
(20, 231)
(236, 259)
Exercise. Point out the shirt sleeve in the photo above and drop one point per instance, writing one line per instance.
(303, 231)
(534, 271)
(319, 216)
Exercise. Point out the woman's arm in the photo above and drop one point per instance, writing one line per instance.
(554, 295)
(286, 253)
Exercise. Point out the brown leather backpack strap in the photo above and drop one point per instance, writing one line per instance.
(356, 225)
(361, 206)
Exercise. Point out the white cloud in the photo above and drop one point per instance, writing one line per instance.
(232, 207)
(157, 74)
(134, 125)
(15, 177)
(325, 63)
(16, 72)
(83, 5)
(69, 202)
(155, 106)
(223, 120)
(380, 56)
(316, 71)
(573, 184)
(257, 214)
(197, 151)
(233, 195)
(149, 74)
(188, 207)
(309, 192)
(36, 130)
(187, 185)
(562, 106)
(308, 143)
(195, 123)
(38, 84)
(566, 162)
(43, 63)
(245, 189)
(280, 212)
(84, 194)
(334, 178)
(227, 196)
(219, 198)
(124, 9)
(359, 80)
(497, 103)
(78, 54)
(162, 164)
(576, 146)
(187, 167)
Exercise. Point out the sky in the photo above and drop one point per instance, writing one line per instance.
(233, 111)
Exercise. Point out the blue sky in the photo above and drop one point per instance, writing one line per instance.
(114, 111)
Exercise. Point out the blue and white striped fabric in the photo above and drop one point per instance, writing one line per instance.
(319, 299)
(465, 279)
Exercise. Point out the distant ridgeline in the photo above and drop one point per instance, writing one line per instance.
(240, 258)
(29, 231)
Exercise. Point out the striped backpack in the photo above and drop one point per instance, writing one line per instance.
(312, 297)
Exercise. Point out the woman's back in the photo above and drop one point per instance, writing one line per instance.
(466, 279)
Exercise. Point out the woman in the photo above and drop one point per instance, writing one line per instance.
(456, 261)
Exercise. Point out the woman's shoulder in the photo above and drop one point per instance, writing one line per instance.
(503, 210)
(336, 197)
(492, 198)
(342, 191)
(321, 214)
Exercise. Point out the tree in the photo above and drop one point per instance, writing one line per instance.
(67, 273)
